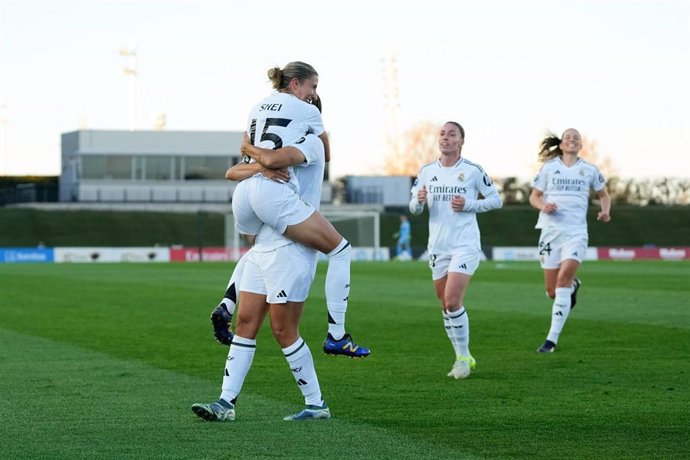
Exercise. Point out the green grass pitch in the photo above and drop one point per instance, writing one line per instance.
(104, 361)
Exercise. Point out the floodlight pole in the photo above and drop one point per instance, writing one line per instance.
(391, 96)
(131, 72)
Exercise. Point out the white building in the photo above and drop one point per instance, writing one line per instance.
(148, 166)
(384, 190)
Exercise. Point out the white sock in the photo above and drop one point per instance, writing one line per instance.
(240, 359)
(228, 302)
(232, 290)
(301, 364)
(338, 288)
(449, 333)
(559, 313)
(460, 328)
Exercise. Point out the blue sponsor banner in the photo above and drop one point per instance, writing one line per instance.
(26, 255)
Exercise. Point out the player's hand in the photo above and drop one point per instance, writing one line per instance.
(421, 194)
(278, 175)
(603, 216)
(457, 203)
(316, 101)
(246, 145)
(549, 208)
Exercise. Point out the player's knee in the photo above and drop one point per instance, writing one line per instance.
(245, 326)
(551, 293)
(451, 303)
(341, 250)
(285, 336)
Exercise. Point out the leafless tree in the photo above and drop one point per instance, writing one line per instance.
(416, 147)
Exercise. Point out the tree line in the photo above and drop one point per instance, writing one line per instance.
(636, 192)
(419, 145)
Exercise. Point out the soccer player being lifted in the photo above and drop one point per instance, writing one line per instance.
(283, 118)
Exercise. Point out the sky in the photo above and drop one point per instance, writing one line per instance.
(618, 71)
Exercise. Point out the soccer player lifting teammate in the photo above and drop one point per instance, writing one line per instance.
(451, 188)
(284, 118)
(276, 276)
(560, 191)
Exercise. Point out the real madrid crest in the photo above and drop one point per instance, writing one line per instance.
(582, 172)
(461, 177)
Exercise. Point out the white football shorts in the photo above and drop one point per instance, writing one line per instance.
(554, 248)
(257, 201)
(282, 275)
(442, 264)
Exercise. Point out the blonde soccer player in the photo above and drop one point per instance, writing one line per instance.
(285, 117)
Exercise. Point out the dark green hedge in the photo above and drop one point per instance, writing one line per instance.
(510, 226)
(514, 226)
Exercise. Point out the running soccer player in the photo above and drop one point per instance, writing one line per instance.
(560, 192)
(451, 188)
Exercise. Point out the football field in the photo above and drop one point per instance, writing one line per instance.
(105, 360)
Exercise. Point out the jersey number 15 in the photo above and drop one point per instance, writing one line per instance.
(265, 135)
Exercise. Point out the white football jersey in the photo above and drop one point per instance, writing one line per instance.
(567, 187)
(282, 119)
(450, 231)
(310, 177)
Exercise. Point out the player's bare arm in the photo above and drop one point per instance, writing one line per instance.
(536, 199)
(326, 146)
(242, 171)
(605, 200)
(272, 159)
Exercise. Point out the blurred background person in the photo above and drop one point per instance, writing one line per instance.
(403, 250)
